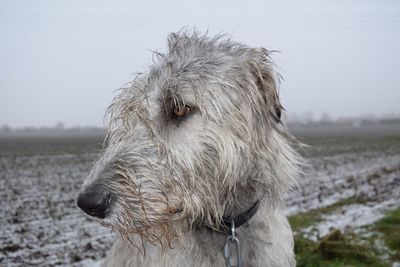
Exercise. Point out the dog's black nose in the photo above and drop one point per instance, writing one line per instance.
(95, 200)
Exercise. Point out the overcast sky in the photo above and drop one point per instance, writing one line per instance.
(61, 61)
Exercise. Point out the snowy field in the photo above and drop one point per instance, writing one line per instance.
(40, 179)
(363, 169)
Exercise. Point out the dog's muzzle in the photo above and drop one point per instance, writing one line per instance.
(96, 201)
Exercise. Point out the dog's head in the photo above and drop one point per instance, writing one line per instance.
(198, 136)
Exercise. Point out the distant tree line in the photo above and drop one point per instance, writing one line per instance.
(295, 120)
(58, 130)
(307, 118)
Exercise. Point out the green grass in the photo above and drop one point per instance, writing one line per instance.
(304, 220)
(343, 250)
(350, 253)
(341, 203)
(389, 226)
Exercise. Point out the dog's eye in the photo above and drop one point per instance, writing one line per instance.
(181, 111)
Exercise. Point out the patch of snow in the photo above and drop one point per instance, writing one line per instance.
(353, 216)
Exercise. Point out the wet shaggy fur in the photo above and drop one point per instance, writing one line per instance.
(175, 177)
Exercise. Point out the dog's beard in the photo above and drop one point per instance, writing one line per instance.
(144, 225)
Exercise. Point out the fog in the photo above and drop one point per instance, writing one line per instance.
(61, 61)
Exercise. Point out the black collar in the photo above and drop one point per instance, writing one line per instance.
(240, 219)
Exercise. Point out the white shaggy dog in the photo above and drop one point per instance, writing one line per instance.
(197, 161)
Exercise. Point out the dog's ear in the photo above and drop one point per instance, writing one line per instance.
(267, 80)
